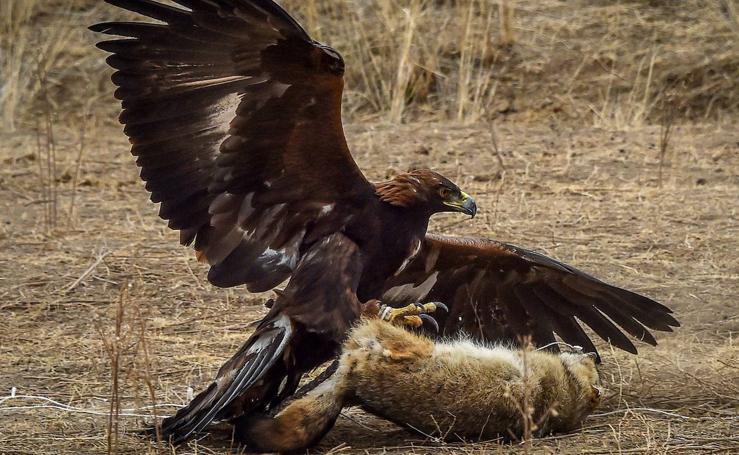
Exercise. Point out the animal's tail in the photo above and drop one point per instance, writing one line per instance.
(247, 381)
(302, 419)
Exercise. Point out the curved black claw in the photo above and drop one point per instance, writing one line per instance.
(441, 306)
(430, 319)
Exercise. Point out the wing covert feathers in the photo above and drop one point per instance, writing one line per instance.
(499, 291)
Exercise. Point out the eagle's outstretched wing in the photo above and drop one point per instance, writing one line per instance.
(234, 114)
(498, 291)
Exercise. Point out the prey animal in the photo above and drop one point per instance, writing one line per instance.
(456, 390)
(234, 116)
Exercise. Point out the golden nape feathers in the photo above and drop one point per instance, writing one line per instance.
(456, 390)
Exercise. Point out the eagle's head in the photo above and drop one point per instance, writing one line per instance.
(428, 190)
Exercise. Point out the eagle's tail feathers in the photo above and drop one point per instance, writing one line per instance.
(244, 383)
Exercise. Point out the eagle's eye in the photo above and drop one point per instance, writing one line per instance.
(445, 192)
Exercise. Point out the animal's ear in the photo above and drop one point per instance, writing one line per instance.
(587, 359)
(592, 356)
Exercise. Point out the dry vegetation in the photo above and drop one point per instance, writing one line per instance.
(613, 63)
(615, 149)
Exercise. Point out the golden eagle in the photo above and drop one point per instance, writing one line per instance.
(234, 115)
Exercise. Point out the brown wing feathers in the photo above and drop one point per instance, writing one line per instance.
(171, 94)
(234, 114)
(500, 291)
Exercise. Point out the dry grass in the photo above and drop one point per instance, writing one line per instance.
(634, 178)
(587, 196)
(605, 63)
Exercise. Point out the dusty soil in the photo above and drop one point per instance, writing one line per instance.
(590, 197)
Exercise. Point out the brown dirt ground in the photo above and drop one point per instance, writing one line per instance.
(587, 196)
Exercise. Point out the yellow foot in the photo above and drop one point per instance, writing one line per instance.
(413, 315)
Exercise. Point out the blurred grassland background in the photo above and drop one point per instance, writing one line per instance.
(616, 64)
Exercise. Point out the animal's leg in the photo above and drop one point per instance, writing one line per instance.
(302, 420)
(412, 315)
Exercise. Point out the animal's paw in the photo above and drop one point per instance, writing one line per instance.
(413, 315)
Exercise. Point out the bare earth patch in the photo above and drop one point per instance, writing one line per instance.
(590, 197)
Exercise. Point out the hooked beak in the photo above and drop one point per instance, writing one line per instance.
(466, 204)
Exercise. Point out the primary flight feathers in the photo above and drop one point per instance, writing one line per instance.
(234, 115)
(498, 291)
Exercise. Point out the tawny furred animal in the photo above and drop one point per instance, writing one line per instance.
(234, 116)
(455, 390)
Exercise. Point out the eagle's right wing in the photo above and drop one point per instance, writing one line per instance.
(234, 114)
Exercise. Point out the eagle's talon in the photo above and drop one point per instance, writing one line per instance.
(430, 319)
(441, 306)
(413, 315)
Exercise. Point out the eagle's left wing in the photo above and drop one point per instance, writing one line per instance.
(498, 291)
